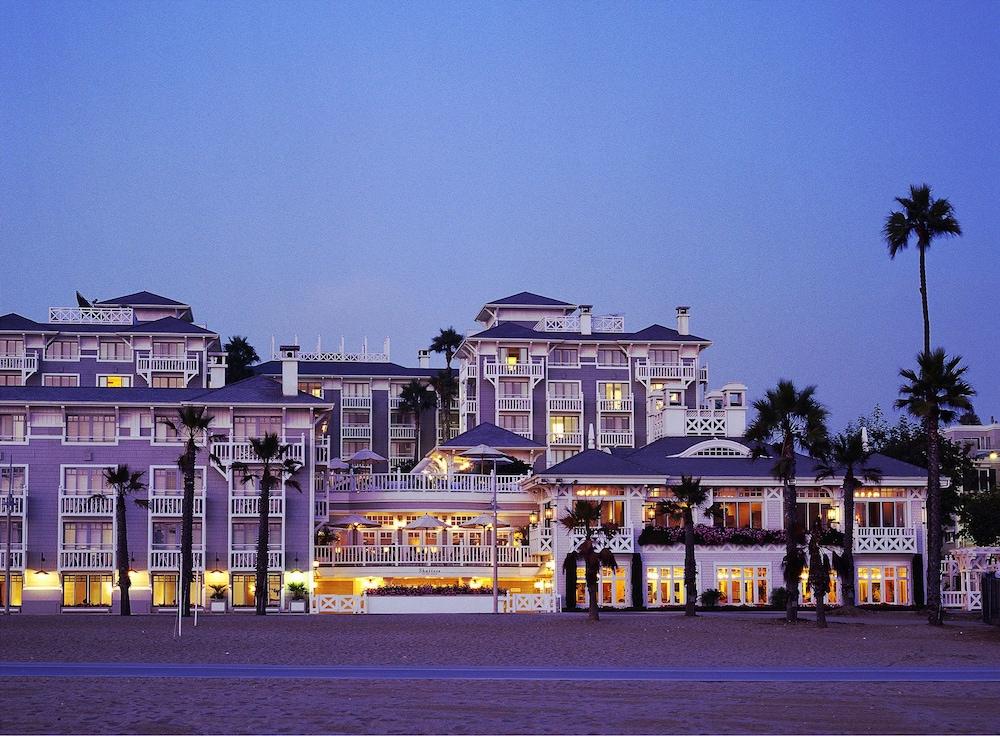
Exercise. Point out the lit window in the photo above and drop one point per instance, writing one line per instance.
(114, 381)
(675, 398)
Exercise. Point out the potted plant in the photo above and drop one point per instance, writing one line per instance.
(710, 598)
(217, 600)
(298, 592)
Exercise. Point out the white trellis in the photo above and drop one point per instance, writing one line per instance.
(961, 576)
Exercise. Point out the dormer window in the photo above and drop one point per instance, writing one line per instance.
(736, 399)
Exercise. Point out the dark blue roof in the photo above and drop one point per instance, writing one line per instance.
(16, 323)
(653, 333)
(143, 299)
(526, 298)
(494, 436)
(346, 368)
(257, 390)
(168, 325)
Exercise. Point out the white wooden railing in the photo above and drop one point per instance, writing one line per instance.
(514, 403)
(146, 364)
(402, 431)
(247, 559)
(91, 315)
(242, 451)
(16, 504)
(356, 431)
(705, 422)
(566, 438)
(403, 554)
(250, 505)
(16, 557)
(86, 505)
(621, 540)
(571, 323)
(170, 559)
(607, 405)
(323, 452)
(558, 403)
(540, 539)
(467, 371)
(86, 559)
(509, 603)
(445, 435)
(338, 603)
(356, 402)
(493, 370)
(885, 539)
(169, 503)
(471, 406)
(644, 371)
(425, 482)
(24, 363)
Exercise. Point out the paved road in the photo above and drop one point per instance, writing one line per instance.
(446, 672)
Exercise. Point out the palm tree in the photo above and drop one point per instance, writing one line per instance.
(194, 422)
(446, 388)
(788, 419)
(687, 496)
(415, 399)
(934, 394)
(125, 482)
(848, 455)
(240, 355)
(275, 466)
(587, 514)
(924, 218)
(819, 573)
(447, 341)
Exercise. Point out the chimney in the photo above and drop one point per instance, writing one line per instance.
(216, 370)
(586, 319)
(424, 358)
(683, 320)
(289, 370)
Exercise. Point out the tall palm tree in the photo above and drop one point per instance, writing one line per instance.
(194, 422)
(126, 483)
(934, 394)
(587, 514)
(447, 341)
(924, 218)
(788, 419)
(446, 388)
(819, 573)
(415, 399)
(275, 466)
(240, 355)
(849, 456)
(687, 497)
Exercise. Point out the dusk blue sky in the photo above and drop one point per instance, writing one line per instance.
(385, 168)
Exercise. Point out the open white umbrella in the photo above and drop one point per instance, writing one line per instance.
(485, 452)
(365, 456)
(484, 520)
(337, 464)
(354, 522)
(426, 522)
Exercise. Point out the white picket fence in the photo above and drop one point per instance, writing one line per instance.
(509, 603)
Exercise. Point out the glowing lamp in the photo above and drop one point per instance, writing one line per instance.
(533, 517)
(296, 577)
(549, 513)
(993, 456)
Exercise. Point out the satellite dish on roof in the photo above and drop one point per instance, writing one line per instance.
(82, 301)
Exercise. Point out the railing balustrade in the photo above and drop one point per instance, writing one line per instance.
(356, 431)
(612, 405)
(574, 439)
(403, 554)
(240, 559)
(250, 505)
(885, 539)
(561, 403)
(98, 504)
(171, 502)
(146, 364)
(534, 370)
(86, 559)
(645, 370)
(16, 557)
(356, 402)
(170, 559)
(514, 403)
(242, 451)
(620, 540)
(402, 431)
(26, 363)
(615, 439)
(16, 504)
(91, 315)
(424, 482)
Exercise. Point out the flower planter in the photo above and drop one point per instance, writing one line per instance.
(217, 606)
(297, 606)
(430, 604)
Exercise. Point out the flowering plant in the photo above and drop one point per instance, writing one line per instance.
(714, 536)
(431, 590)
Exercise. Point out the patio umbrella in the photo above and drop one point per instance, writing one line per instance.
(337, 464)
(353, 521)
(484, 520)
(365, 456)
(426, 522)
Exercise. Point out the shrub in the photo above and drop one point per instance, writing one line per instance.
(710, 598)
(298, 591)
(218, 592)
(779, 598)
(432, 590)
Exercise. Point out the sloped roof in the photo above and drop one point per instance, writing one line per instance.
(14, 322)
(258, 390)
(527, 299)
(144, 299)
(653, 333)
(168, 326)
(347, 368)
(596, 462)
(494, 436)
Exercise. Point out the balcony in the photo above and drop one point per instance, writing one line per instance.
(495, 370)
(16, 556)
(86, 559)
(356, 402)
(572, 439)
(705, 422)
(395, 402)
(322, 450)
(392, 555)
(613, 405)
(514, 403)
(561, 403)
(170, 502)
(240, 505)
(16, 505)
(246, 559)
(170, 559)
(468, 371)
(571, 323)
(23, 363)
(682, 372)
(445, 435)
(425, 483)
(77, 504)
(356, 431)
(242, 451)
(471, 406)
(615, 439)
(402, 432)
(621, 540)
(901, 539)
(91, 315)
(146, 364)
(540, 539)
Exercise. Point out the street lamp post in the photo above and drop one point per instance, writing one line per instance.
(485, 452)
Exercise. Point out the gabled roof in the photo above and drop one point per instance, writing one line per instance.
(168, 326)
(16, 323)
(659, 333)
(258, 390)
(494, 436)
(348, 368)
(653, 333)
(523, 299)
(596, 462)
(101, 396)
(143, 299)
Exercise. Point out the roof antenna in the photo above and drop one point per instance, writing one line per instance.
(82, 301)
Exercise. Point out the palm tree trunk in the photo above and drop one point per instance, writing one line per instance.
(791, 550)
(123, 557)
(187, 526)
(847, 578)
(593, 568)
(935, 614)
(416, 436)
(263, 541)
(923, 298)
(819, 581)
(690, 572)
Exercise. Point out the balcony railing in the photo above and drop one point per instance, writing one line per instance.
(73, 504)
(356, 431)
(540, 539)
(885, 539)
(534, 370)
(91, 315)
(247, 559)
(402, 432)
(16, 504)
(86, 559)
(170, 502)
(146, 364)
(615, 439)
(356, 402)
(573, 439)
(242, 451)
(514, 403)
(644, 370)
(250, 505)
(450, 434)
(170, 559)
(471, 406)
(620, 540)
(560, 403)
(611, 405)
(323, 452)
(470, 370)
(425, 483)
(24, 363)
(16, 557)
(705, 422)
(571, 323)
(403, 554)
